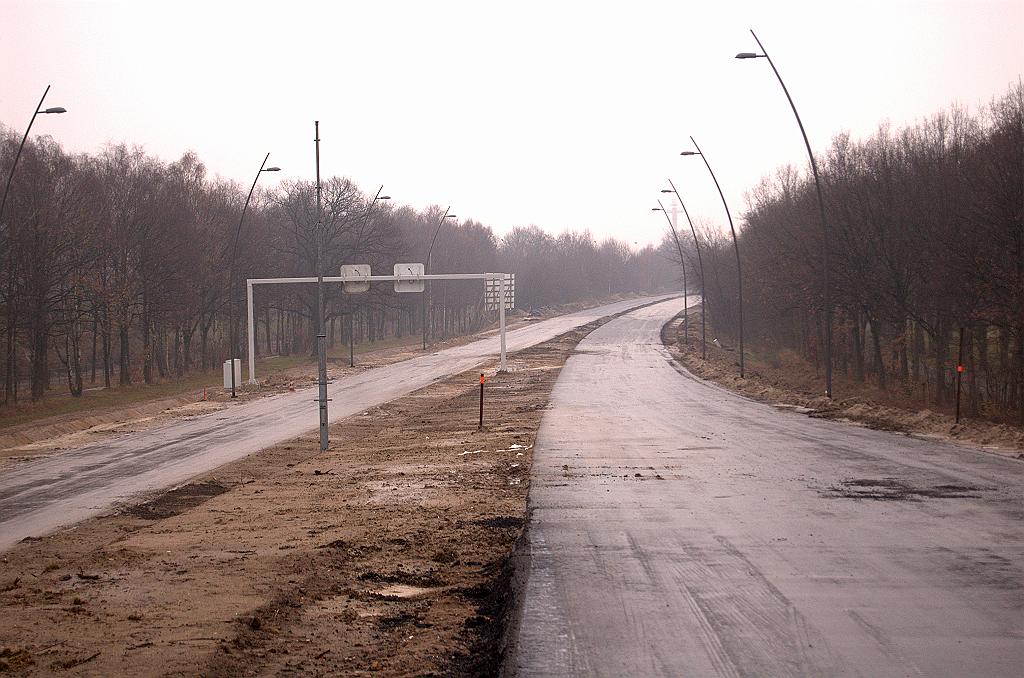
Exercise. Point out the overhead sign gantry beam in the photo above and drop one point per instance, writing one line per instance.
(407, 278)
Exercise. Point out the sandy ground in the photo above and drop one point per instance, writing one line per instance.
(791, 388)
(386, 555)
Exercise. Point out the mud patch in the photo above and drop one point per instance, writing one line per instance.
(500, 522)
(890, 489)
(176, 501)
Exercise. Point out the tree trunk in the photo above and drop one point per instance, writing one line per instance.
(124, 361)
(11, 373)
(940, 349)
(95, 329)
(876, 342)
(858, 348)
(147, 340)
(39, 340)
(179, 365)
(266, 313)
(107, 341)
(161, 353)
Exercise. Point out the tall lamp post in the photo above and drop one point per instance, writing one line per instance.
(821, 209)
(10, 177)
(700, 264)
(735, 243)
(321, 335)
(11, 312)
(351, 325)
(231, 270)
(682, 264)
(427, 269)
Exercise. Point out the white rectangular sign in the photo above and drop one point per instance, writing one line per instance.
(412, 283)
(355, 271)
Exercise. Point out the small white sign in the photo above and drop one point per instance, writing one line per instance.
(227, 373)
(409, 277)
(355, 271)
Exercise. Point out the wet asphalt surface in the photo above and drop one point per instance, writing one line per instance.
(680, 530)
(40, 495)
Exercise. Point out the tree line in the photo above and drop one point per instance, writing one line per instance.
(118, 267)
(925, 233)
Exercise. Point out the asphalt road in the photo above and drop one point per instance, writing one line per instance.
(680, 530)
(41, 495)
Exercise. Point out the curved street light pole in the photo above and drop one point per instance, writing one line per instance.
(735, 243)
(11, 317)
(351, 325)
(426, 269)
(231, 272)
(10, 177)
(821, 209)
(700, 264)
(682, 264)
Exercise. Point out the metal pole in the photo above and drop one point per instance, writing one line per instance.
(481, 400)
(351, 340)
(426, 270)
(320, 335)
(231, 280)
(11, 317)
(735, 244)
(824, 227)
(501, 319)
(251, 325)
(686, 293)
(700, 263)
(679, 248)
(959, 372)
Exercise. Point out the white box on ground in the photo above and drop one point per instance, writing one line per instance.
(227, 374)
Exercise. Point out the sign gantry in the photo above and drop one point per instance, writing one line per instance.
(356, 278)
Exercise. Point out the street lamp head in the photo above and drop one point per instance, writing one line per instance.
(748, 55)
(666, 190)
(384, 197)
(55, 109)
(657, 209)
(271, 169)
(450, 216)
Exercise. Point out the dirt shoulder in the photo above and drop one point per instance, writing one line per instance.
(792, 386)
(386, 555)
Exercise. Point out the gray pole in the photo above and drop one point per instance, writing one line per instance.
(426, 270)
(682, 264)
(735, 243)
(321, 337)
(826, 264)
(231, 273)
(700, 264)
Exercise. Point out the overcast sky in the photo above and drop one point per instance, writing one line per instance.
(560, 114)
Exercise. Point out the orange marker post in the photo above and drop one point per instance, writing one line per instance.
(481, 400)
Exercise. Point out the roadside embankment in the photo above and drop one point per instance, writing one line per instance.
(795, 386)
